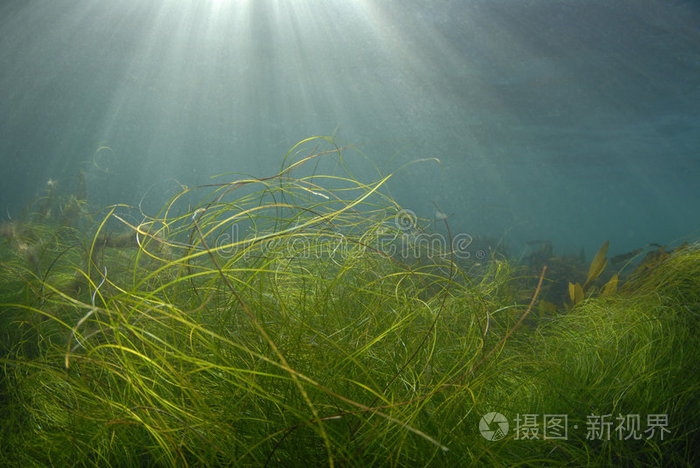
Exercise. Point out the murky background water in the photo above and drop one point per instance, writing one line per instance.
(571, 121)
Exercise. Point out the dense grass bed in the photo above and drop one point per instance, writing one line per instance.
(299, 320)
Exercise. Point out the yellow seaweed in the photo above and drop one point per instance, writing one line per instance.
(575, 293)
(611, 286)
(598, 264)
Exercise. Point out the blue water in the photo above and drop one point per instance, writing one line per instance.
(571, 121)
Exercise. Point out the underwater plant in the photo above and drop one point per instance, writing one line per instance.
(275, 321)
(600, 261)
